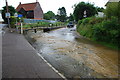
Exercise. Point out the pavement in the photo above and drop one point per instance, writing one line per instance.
(21, 61)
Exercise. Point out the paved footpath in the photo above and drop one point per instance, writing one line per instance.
(20, 60)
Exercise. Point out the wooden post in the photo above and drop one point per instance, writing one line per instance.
(7, 12)
(21, 28)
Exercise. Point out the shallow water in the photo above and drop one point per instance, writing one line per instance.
(74, 56)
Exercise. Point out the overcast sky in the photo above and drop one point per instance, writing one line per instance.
(53, 5)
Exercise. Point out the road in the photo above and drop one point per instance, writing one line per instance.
(21, 61)
(1, 33)
(75, 56)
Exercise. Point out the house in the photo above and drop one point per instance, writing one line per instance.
(1, 20)
(30, 10)
(100, 14)
(111, 1)
(112, 8)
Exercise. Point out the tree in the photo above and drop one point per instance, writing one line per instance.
(11, 11)
(81, 7)
(62, 15)
(49, 15)
(100, 9)
(71, 17)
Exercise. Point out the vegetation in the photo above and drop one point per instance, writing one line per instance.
(81, 7)
(62, 15)
(101, 30)
(100, 9)
(12, 12)
(49, 15)
(71, 17)
(105, 30)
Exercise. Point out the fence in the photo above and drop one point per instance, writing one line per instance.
(35, 21)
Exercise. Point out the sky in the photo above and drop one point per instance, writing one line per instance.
(54, 5)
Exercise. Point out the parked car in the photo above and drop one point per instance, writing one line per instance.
(70, 25)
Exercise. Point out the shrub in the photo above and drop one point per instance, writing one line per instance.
(95, 20)
(86, 21)
(79, 22)
(107, 31)
(12, 22)
(101, 30)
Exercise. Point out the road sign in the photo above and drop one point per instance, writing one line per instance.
(16, 15)
(7, 15)
(20, 15)
(85, 12)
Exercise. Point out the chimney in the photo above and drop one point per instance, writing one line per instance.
(20, 3)
(36, 1)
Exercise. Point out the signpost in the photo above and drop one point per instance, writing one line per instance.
(85, 12)
(16, 15)
(20, 16)
(7, 15)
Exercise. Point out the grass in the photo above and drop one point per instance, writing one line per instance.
(112, 46)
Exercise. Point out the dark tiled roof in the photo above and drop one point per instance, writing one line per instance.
(27, 7)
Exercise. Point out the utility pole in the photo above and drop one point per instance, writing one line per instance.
(7, 12)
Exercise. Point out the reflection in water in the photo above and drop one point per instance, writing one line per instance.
(75, 56)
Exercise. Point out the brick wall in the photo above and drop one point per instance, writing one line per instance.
(38, 12)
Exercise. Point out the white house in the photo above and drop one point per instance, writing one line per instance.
(100, 14)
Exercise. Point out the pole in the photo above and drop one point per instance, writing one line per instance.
(16, 25)
(7, 12)
(21, 27)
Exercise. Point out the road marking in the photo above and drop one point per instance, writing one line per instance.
(52, 67)
(48, 63)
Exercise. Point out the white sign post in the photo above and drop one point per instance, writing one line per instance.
(21, 28)
(85, 12)
(16, 15)
(7, 15)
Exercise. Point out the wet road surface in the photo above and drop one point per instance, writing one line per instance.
(74, 56)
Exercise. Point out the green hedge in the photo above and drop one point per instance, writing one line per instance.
(100, 29)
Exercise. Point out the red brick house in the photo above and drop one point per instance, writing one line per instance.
(30, 10)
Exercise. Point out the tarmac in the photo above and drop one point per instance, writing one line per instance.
(21, 61)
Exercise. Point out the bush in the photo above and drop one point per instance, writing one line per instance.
(79, 22)
(107, 31)
(100, 30)
(85, 21)
(12, 22)
(95, 20)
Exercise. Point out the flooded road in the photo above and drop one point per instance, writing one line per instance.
(74, 56)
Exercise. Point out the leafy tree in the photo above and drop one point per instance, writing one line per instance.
(81, 7)
(100, 9)
(62, 15)
(71, 17)
(49, 15)
(11, 11)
